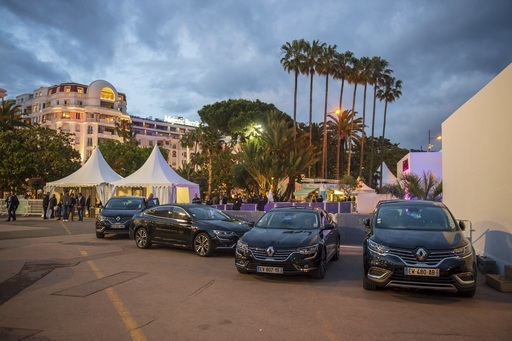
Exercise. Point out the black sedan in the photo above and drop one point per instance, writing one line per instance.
(199, 227)
(289, 240)
(419, 245)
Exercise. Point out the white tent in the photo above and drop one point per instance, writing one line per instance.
(159, 179)
(388, 178)
(94, 173)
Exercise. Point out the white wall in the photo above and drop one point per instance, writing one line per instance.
(422, 162)
(477, 167)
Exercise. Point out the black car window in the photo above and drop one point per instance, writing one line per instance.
(289, 220)
(207, 213)
(124, 204)
(414, 217)
(163, 212)
(179, 213)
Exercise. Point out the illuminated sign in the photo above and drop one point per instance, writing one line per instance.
(181, 120)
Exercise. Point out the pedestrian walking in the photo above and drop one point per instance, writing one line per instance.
(53, 204)
(72, 204)
(12, 205)
(66, 199)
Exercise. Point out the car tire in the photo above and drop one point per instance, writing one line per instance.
(467, 293)
(320, 272)
(142, 239)
(336, 255)
(100, 235)
(203, 245)
(367, 285)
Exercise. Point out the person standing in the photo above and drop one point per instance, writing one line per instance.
(66, 199)
(72, 204)
(88, 206)
(196, 199)
(46, 203)
(238, 203)
(80, 205)
(53, 204)
(12, 205)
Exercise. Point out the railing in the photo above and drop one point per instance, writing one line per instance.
(26, 207)
(331, 207)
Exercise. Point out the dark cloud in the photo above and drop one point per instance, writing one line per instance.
(174, 57)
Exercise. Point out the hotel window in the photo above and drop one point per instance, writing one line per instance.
(77, 128)
(120, 98)
(65, 115)
(150, 142)
(66, 102)
(89, 142)
(57, 102)
(77, 115)
(67, 89)
(107, 93)
(77, 140)
(80, 103)
(80, 90)
(173, 153)
(89, 130)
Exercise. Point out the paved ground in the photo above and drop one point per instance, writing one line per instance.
(59, 282)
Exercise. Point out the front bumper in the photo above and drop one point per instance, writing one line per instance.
(290, 261)
(106, 226)
(455, 274)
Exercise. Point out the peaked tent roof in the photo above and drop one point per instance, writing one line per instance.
(94, 172)
(154, 172)
(388, 178)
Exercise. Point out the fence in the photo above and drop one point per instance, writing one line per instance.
(26, 207)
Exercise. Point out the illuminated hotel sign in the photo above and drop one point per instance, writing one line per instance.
(181, 120)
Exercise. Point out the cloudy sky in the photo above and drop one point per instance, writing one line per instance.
(172, 57)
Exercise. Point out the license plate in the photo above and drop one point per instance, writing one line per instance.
(118, 226)
(421, 272)
(270, 269)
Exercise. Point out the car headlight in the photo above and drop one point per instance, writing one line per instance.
(463, 251)
(220, 233)
(101, 217)
(308, 249)
(241, 245)
(377, 248)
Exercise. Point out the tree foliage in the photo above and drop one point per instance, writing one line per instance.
(35, 152)
(10, 116)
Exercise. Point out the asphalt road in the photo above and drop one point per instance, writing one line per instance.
(59, 282)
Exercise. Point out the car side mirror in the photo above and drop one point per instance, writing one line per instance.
(251, 223)
(462, 225)
(366, 223)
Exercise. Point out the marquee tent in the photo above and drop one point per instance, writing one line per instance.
(158, 178)
(388, 178)
(94, 173)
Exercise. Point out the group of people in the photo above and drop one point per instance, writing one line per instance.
(260, 201)
(65, 207)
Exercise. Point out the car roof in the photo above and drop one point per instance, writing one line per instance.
(295, 208)
(425, 203)
(128, 197)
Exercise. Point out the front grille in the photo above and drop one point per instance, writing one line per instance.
(122, 221)
(433, 259)
(279, 255)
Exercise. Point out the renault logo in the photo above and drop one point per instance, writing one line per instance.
(270, 251)
(421, 254)
(118, 218)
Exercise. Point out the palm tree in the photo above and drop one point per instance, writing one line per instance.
(325, 67)
(365, 77)
(391, 91)
(312, 52)
(124, 129)
(10, 116)
(341, 125)
(354, 78)
(342, 63)
(192, 139)
(424, 187)
(293, 61)
(379, 72)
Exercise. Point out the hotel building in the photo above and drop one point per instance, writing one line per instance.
(90, 112)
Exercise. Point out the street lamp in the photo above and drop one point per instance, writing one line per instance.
(430, 138)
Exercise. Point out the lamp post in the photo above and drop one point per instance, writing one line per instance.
(430, 138)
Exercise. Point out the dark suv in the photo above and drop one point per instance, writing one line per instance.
(419, 245)
(289, 240)
(116, 215)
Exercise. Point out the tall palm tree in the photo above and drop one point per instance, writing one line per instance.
(293, 61)
(353, 78)
(10, 116)
(325, 68)
(391, 91)
(379, 72)
(312, 52)
(342, 64)
(365, 78)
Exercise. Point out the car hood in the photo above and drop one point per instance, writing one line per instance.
(227, 225)
(118, 213)
(282, 238)
(411, 239)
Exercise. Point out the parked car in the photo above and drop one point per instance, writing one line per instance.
(289, 240)
(419, 245)
(116, 215)
(201, 228)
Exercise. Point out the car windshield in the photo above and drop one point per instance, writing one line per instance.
(289, 220)
(415, 217)
(124, 204)
(207, 213)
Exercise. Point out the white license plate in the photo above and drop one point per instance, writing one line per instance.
(270, 269)
(421, 272)
(118, 226)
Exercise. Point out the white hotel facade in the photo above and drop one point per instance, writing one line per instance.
(90, 113)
